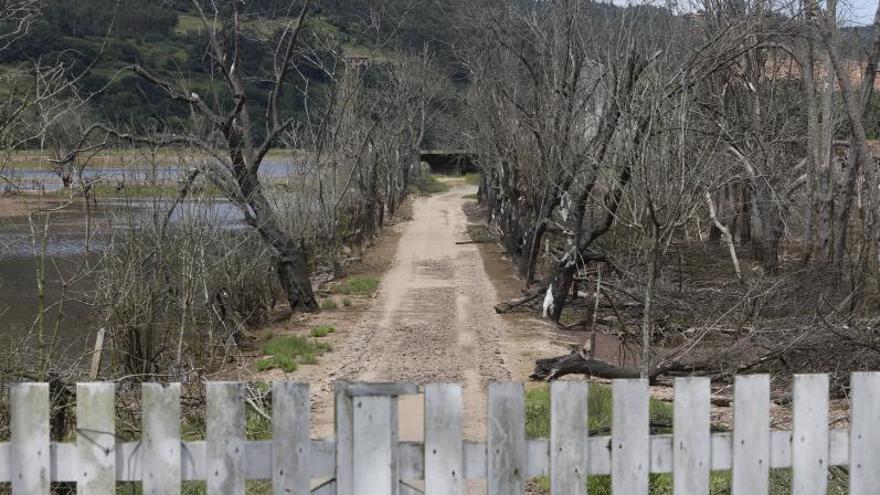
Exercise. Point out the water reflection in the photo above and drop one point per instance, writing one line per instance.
(45, 179)
(74, 238)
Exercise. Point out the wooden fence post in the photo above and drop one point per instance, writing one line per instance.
(444, 455)
(751, 435)
(691, 452)
(864, 437)
(344, 446)
(373, 450)
(630, 440)
(29, 442)
(809, 446)
(507, 439)
(568, 438)
(290, 438)
(96, 438)
(161, 438)
(225, 443)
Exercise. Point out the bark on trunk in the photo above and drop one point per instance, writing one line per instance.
(560, 285)
(291, 267)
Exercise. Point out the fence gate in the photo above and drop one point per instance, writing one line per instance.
(367, 459)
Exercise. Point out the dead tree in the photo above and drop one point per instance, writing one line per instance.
(236, 154)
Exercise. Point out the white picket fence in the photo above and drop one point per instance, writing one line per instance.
(366, 458)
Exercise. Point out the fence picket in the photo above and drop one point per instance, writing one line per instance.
(377, 462)
(161, 438)
(225, 442)
(372, 434)
(443, 441)
(568, 438)
(630, 441)
(810, 435)
(691, 446)
(506, 439)
(343, 422)
(864, 457)
(29, 442)
(751, 434)
(290, 438)
(95, 438)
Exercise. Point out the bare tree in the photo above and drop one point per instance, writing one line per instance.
(225, 129)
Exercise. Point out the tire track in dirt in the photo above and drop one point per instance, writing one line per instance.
(432, 321)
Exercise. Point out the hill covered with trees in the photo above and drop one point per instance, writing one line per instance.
(100, 39)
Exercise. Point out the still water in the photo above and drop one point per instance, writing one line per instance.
(65, 242)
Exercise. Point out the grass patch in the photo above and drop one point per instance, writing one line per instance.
(322, 330)
(328, 304)
(287, 351)
(599, 418)
(470, 196)
(429, 185)
(537, 411)
(346, 302)
(358, 285)
(472, 179)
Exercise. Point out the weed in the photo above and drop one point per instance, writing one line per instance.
(472, 179)
(346, 301)
(358, 286)
(285, 352)
(284, 363)
(328, 304)
(322, 330)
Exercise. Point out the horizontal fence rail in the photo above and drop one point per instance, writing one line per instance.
(366, 457)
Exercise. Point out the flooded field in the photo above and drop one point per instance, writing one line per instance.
(66, 244)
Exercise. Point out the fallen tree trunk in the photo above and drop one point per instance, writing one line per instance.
(507, 306)
(576, 363)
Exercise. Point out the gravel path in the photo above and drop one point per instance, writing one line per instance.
(432, 321)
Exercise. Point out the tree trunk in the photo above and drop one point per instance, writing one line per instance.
(291, 265)
(647, 324)
(560, 285)
(745, 216)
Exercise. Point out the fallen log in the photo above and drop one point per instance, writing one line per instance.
(507, 306)
(576, 363)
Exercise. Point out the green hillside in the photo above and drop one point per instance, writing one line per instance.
(169, 39)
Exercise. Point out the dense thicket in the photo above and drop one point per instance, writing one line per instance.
(618, 140)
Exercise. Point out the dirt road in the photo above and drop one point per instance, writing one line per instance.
(432, 320)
